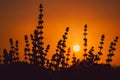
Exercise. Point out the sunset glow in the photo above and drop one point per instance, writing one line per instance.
(19, 18)
(76, 48)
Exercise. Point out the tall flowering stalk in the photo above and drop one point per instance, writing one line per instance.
(13, 49)
(97, 57)
(111, 51)
(55, 61)
(85, 42)
(63, 46)
(37, 42)
(12, 52)
(16, 52)
(59, 58)
(27, 54)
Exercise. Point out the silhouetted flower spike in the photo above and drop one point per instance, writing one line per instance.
(62, 50)
(59, 57)
(37, 42)
(13, 51)
(16, 52)
(27, 54)
(85, 41)
(97, 58)
(41, 15)
(111, 51)
(6, 57)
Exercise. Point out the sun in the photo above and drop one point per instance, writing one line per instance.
(76, 48)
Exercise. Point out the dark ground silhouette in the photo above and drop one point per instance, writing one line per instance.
(31, 72)
(36, 66)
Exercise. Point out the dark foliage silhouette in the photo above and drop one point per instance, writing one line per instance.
(36, 65)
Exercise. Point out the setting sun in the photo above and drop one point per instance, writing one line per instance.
(76, 48)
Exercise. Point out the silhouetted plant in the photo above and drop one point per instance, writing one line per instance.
(59, 57)
(37, 42)
(6, 57)
(111, 51)
(16, 52)
(63, 46)
(90, 58)
(97, 57)
(13, 53)
(85, 42)
(27, 54)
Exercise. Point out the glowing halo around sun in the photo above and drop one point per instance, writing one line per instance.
(76, 48)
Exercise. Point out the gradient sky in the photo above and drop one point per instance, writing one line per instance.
(19, 17)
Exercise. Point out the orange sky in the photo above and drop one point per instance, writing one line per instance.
(19, 17)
